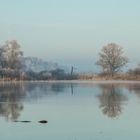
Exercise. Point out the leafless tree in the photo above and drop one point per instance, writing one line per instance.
(2, 58)
(111, 58)
(11, 62)
(12, 54)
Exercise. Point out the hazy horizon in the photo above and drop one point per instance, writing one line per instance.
(71, 32)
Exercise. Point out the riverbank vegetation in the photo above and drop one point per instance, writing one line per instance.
(14, 66)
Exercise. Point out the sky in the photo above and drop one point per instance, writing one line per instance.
(72, 32)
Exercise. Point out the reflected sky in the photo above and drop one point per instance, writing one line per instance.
(73, 110)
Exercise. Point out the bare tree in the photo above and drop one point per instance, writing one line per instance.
(12, 55)
(111, 58)
(2, 58)
(11, 62)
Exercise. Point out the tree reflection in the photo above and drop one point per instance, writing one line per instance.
(13, 94)
(135, 88)
(58, 87)
(111, 100)
(10, 105)
(11, 111)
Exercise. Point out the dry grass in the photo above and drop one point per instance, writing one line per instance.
(115, 77)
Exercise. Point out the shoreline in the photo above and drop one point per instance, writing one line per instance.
(75, 81)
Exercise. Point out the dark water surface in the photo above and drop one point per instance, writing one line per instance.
(74, 111)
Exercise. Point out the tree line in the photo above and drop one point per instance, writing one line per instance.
(13, 64)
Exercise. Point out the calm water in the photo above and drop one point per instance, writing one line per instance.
(74, 111)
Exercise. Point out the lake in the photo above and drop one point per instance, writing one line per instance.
(74, 110)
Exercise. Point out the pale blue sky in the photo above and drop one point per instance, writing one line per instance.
(71, 32)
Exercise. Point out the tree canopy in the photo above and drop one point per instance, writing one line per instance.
(10, 55)
(111, 58)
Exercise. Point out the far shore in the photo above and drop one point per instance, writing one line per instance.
(74, 81)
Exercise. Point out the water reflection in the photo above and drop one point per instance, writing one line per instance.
(11, 111)
(135, 88)
(58, 87)
(111, 100)
(10, 104)
(71, 85)
(12, 96)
